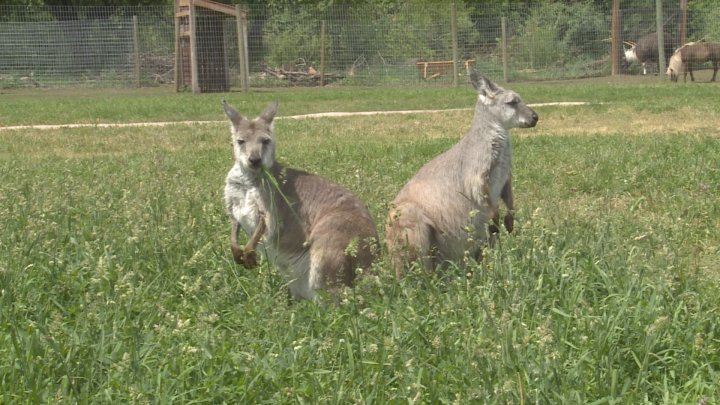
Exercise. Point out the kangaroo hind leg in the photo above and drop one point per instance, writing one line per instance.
(409, 236)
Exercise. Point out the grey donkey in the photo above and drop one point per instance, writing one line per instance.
(315, 231)
(443, 212)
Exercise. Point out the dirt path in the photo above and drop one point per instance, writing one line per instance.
(302, 116)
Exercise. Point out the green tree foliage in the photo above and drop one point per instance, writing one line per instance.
(67, 10)
(705, 17)
(556, 33)
(86, 3)
(377, 32)
(292, 34)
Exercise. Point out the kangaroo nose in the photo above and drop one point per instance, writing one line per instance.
(533, 120)
(255, 161)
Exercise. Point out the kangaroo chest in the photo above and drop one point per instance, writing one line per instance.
(248, 203)
(247, 208)
(489, 170)
(500, 171)
(244, 201)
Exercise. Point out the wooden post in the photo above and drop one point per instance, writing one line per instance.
(247, 51)
(683, 22)
(225, 54)
(503, 28)
(178, 52)
(194, 71)
(322, 53)
(242, 48)
(615, 39)
(661, 39)
(136, 50)
(453, 31)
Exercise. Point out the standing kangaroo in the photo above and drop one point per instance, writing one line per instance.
(442, 212)
(315, 231)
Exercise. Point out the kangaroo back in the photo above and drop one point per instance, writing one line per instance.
(442, 213)
(316, 232)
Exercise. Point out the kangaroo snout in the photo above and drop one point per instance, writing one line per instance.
(532, 121)
(255, 162)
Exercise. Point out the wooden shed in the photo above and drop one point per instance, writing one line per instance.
(201, 57)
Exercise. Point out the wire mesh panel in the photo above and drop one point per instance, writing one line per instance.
(98, 46)
(413, 41)
(419, 43)
(155, 37)
(53, 52)
(362, 44)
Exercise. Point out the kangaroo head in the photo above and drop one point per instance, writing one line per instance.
(505, 107)
(253, 141)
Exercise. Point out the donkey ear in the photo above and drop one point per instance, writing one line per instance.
(270, 111)
(233, 115)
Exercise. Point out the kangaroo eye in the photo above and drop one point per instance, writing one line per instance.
(513, 102)
(241, 142)
(266, 141)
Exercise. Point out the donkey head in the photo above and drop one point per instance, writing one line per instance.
(630, 54)
(675, 67)
(253, 141)
(504, 106)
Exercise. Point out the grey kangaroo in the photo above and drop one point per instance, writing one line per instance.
(442, 213)
(316, 232)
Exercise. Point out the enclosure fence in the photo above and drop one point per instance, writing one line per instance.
(310, 45)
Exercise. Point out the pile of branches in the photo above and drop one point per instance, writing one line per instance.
(162, 67)
(299, 75)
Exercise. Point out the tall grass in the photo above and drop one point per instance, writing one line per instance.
(117, 284)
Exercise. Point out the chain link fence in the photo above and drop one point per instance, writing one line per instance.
(391, 43)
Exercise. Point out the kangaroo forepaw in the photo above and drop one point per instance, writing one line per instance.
(508, 220)
(237, 255)
(249, 258)
(246, 258)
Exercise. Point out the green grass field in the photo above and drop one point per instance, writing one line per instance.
(117, 284)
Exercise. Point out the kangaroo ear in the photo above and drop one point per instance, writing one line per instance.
(269, 114)
(483, 85)
(475, 77)
(233, 115)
